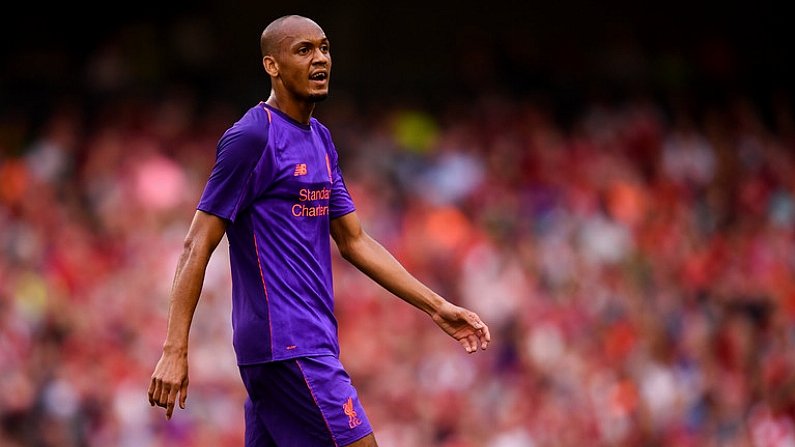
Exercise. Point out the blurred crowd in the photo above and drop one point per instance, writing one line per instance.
(634, 263)
(635, 267)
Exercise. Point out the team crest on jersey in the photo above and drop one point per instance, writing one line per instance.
(300, 169)
(353, 419)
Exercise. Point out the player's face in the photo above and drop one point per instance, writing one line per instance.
(305, 62)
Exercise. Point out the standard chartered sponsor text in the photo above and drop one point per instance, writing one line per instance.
(309, 210)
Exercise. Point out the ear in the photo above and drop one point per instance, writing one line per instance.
(271, 66)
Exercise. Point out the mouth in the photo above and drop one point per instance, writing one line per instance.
(320, 76)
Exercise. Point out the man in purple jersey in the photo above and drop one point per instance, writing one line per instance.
(278, 193)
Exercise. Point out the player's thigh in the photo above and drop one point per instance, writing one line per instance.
(367, 441)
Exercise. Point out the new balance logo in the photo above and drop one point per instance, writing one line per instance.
(300, 169)
(353, 419)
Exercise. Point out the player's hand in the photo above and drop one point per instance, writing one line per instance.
(169, 381)
(464, 326)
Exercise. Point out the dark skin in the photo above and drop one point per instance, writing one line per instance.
(299, 67)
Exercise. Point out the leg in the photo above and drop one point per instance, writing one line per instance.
(367, 441)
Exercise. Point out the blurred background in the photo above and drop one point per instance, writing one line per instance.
(610, 185)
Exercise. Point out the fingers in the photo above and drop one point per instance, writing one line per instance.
(481, 336)
(183, 395)
(172, 399)
(485, 337)
(473, 341)
(470, 343)
(164, 394)
(156, 393)
(151, 392)
(168, 398)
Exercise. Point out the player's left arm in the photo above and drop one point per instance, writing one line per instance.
(369, 256)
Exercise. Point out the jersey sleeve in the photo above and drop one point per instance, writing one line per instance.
(240, 156)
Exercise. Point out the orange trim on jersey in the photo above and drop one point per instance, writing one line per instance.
(270, 118)
(264, 287)
(309, 387)
(328, 168)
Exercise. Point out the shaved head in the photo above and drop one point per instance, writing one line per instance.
(277, 30)
(296, 55)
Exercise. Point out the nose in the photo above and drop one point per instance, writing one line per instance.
(321, 57)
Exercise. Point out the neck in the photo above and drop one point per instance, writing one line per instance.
(300, 111)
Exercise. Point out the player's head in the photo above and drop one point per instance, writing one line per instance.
(296, 55)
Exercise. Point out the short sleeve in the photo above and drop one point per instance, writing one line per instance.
(240, 155)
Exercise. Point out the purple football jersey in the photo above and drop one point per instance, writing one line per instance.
(278, 183)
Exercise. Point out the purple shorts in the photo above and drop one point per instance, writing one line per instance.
(303, 402)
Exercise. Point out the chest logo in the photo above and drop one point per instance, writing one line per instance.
(300, 169)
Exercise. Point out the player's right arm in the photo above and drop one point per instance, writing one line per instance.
(170, 377)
